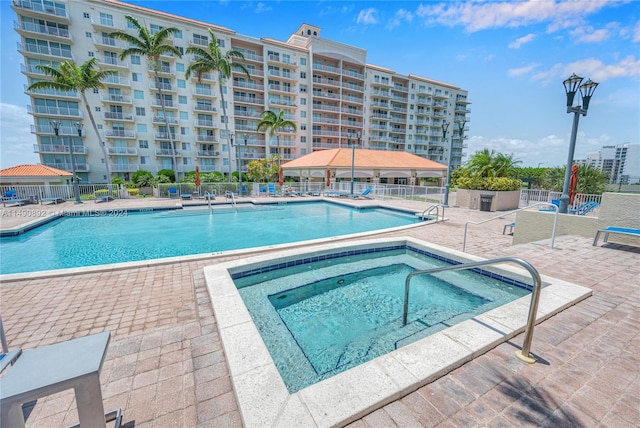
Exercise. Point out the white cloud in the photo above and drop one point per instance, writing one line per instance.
(367, 16)
(588, 34)
(514, 72)
(261, 8)
(17, 140)
(401, 16)
(521, 41)
(481, 15)
(593, 68)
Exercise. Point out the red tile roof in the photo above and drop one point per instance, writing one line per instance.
(33, 171)
(378, 159)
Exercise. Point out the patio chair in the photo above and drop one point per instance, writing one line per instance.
(173, 192)
(271, 190)
(7, 357)
(364, 195)
(584, 208)
(11, 197)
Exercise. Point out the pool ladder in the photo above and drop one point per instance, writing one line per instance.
(523, 354)
(429, 210)
(230, 195)
(208, 197)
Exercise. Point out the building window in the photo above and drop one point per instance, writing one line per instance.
(99, 126)
(182, 99)
(98, 109)
(88, 35)
(96, 91)
(179, 67)
(303, 61)
(91, 54)
(186, 146)
(303, 74)
(136, 77)
(303, 88)
(178, 34)
(182, 83)
(186, 161)
(303, 139)
(221, 43)
(184, 131)
(142, 128)
(180, 49)
(85, 15)
(303, 101)
(143, 144)
(303, 114)
(138, 95)
(303, 126)
(135, 59)
(184, 115)
(140, 111)
(144, 160)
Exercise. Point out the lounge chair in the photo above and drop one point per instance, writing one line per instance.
(615, 230)
(186, 196)
(271, 190)
(11, 197)
(364, 195)
(584, 208)
(51, 200)
(173, 192)
(510, 226)
(7, 357)
(103, 198)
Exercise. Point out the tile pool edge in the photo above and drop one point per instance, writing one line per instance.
(262, 396)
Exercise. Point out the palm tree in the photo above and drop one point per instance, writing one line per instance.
(488, 163)
(274, 123)
(211, 59)
(69, 77)
(152, 46)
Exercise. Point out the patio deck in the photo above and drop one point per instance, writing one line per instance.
(166, 366)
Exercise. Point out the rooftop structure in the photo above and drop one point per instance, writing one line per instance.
(325, 87)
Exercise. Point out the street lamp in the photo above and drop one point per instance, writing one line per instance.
(571, 86)
(232, 145)
(244, 137)
(445, 127)
(56, 124)
(353, 155)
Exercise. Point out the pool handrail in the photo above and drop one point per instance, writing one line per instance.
(437, 207)
(553, 232)
(523, 354)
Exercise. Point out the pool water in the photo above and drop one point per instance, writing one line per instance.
(318, 319)
(89, 240)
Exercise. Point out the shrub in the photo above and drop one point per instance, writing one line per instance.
(488, 183)
(133, 192)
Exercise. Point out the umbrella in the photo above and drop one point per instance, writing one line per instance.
(280, 176)
(197, 176)
(573, 183)
(328, 177)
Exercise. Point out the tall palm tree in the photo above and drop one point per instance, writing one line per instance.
(274, 123)
(488, 163)
(211, 59)
(152, 46)
(69, 77)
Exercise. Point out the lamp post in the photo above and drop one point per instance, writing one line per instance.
(232, 145)
(445, 127)
(571, 86)
(244, 137)
(56, 124)
(353, 155)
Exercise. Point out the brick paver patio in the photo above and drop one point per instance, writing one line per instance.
(166, 366)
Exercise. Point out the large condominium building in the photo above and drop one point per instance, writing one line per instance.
(325, 87)
(620, 163)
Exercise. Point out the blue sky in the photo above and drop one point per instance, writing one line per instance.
(511, 56)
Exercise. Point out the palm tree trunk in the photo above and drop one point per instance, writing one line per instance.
(166, 123)
(100, 142)
(226, 121)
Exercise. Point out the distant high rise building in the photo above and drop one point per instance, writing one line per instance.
(325, 87)
(620, 163)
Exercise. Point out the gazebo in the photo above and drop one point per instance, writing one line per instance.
(369, 164)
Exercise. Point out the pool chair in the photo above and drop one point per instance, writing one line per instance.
(584, 208)
(364, 195)
(73, 364)
(7, 357)
(271, 190)
(11, 197)
(185, 196)
(173, 192)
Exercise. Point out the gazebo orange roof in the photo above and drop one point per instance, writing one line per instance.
(384, 161)
(33, 171)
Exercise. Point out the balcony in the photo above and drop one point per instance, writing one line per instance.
(81, 167)
(331, 95)
(276, 59)
(27, 28)
(125, 151)
(161, 69)
(282, 88)
(167, 104)
(119, 133)
(50, 93)
(282, 102)
(379, 93)
(165, 119)
(110, 42)
(326, 107)
(204, 92)
(113, 62)
(167, 152)
(116, 81)
(30, 69)
(254, 57)
(247, 85)
(248, 100)
(353, 86)
(203, 123)
(119, 167)
(400, 88)
(246, 113)
(203, 76)
(352, 73)
(352, 111)
(108, 24)
(206, 138)
(326, 82)
(48, 129)
(58, 148)
(54, 111)
(327, 68)
(30, 8)
(323, 119)
(208, 154)
(116, 98)
(46, 51)
(119, 116)
(165, 136)
(352, 99)
(167, 87)
(205, 107)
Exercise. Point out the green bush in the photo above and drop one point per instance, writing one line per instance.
(488, 183)
(133, 192)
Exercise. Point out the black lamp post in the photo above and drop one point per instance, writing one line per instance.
(244, 137)
(571, 86)
(353, 155)
(56, 124)
(445, 127)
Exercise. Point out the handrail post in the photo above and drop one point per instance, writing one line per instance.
(523, 354)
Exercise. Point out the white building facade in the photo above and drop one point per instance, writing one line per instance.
(325, 87)
(620, 163)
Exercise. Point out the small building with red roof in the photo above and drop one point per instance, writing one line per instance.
(34, 175)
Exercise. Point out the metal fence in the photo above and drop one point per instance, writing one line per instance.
(531, 196)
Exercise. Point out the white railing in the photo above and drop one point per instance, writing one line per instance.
(531, 196)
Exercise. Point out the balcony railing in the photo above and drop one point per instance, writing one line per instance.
(82, 167)
(109, 23)
(248, 85)
(167, 152)
(51, 92)
(116, 98)
(45, 50)
(110, 42)
(57, 148)
(116, 80)
(119, 167)
(46, 9)
(109, 115)
(169, 120)
(205, 123)
(167, 103)
(205, 92)
(115, 62)
(122, 133)
(54, 111)
(252, 100)
(161, 85)
(129, 151)
(207, 138)
(205, 107)
(42, 29)
(165, 136)
(208, 153)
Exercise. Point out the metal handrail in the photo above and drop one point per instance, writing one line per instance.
(533, 307)
(437, 207)
(553, 232)
(208, 196)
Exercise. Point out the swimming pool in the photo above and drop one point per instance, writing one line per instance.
(89, 238)
(262, 395)
(323, 317)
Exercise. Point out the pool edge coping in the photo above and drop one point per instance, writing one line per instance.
(263, 398)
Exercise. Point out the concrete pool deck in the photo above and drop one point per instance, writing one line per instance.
(166, 366)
